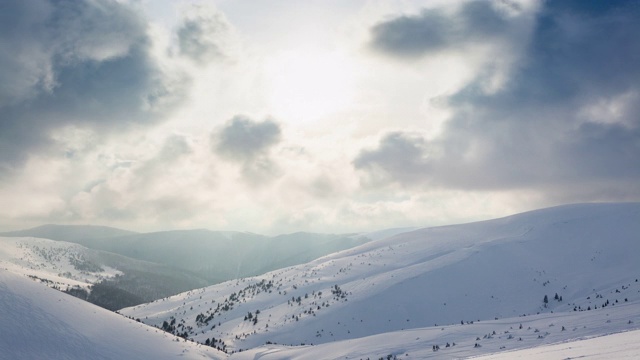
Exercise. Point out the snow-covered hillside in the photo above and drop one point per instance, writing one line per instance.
(618, 346)
(496, 337)
(59, 264)
(41, 323)
(434, 277)
(108, 280)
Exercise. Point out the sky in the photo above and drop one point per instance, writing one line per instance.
(325, 116)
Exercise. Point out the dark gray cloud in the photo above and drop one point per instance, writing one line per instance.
(248, 143)
(19, 75)
(565, 122)
(243, 139)
(205, 37)
(434, 29)
(401, 157)
(74, 63)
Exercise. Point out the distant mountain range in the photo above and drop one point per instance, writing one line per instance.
(219, 256)
(70, 233)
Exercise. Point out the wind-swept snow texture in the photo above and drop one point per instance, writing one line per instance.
(533, 333)
(38, 322)
(433, 277)
(617, 346)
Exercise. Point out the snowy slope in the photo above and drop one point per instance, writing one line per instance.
(59, 264)
(41, 323)
(108, 280)
(446, 275)
(615, 346)
(496, 337)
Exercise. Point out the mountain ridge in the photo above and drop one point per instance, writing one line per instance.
(214, 255)
(70, 233)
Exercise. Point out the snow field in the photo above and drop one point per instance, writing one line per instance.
(436, 276)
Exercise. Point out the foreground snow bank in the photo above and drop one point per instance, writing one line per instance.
(42, 323)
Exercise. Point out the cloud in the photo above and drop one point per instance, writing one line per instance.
(205, 35)
(401, 157)
(564, 120)
(435, 30)
(243, 139)
(157, 187)
(174, 147)
(248, 142)
(75, 63)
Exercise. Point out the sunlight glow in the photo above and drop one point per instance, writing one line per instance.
(306, 86)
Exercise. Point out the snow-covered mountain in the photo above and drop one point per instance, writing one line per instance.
(60, 264)
(435, 278)
(41, 323)
(109, 280)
